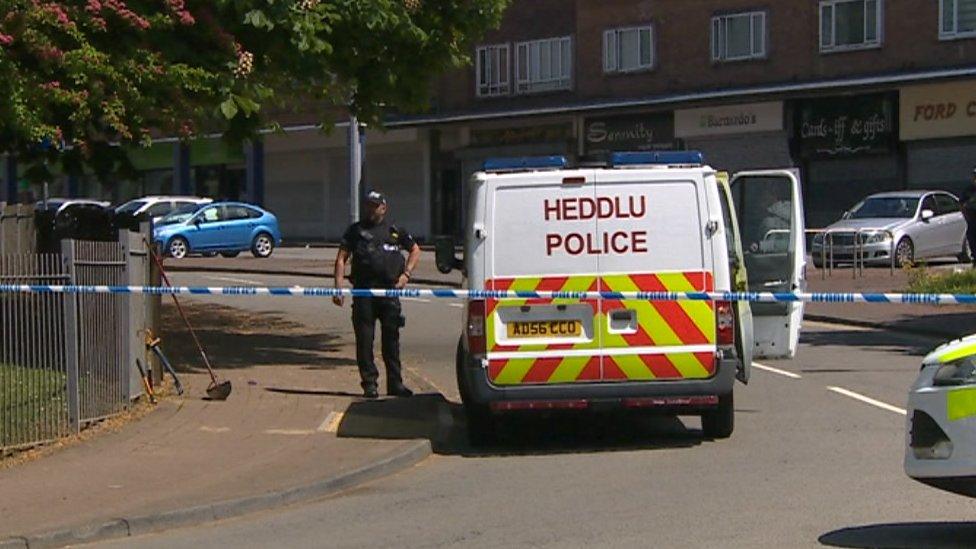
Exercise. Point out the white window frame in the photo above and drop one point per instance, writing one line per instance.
(955, 33)
(866, 45)
(611, 51)
(503, 86)
(720, 36)
(535, 82)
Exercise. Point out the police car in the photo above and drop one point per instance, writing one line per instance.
(940, 445)
(645, 221)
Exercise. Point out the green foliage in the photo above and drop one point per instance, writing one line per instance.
(79, 75)
(924, 280)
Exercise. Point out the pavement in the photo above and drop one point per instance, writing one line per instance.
(292, 430)
(942, 321)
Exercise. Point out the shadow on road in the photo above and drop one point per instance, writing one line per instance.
(877, 339)
(442, 422)
(235, 339)
(936, 535)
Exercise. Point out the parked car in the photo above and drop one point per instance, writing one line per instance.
(921, 224)
(940, 446)
(153, 208)
(227, 228)
(60, 218)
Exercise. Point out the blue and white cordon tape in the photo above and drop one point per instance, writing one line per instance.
(302, 291)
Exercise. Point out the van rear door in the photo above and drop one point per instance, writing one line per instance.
(769, 208)
(652, 230)
(540, 237)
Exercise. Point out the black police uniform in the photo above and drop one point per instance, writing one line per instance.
(968, 201)
(377, 262)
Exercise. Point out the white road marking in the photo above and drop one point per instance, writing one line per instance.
(867, 400)
(331, 423)
(293, 432)
(231, 279)
(208, 429)
(790, 375)
(458, 305)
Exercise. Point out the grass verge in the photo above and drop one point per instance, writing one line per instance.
(923, 280)
(32, 404)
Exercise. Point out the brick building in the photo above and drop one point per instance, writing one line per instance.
(861, 95)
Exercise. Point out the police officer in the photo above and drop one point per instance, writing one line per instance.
(376, 247)
(967, 203)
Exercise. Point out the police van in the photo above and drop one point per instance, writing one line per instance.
(644, 221)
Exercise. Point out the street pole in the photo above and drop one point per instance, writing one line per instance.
(355, 168)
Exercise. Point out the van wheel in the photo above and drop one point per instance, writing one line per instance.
(719, 422)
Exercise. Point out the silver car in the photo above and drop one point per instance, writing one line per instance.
(920, 224)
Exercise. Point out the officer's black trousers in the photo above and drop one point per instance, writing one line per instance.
(365, 312)
(971, 234)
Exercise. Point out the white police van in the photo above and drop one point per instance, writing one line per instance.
(645, 221)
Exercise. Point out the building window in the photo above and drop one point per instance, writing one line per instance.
(849, 24)
(492, 70)
(628, 50)
(739, 36)
(543, 65)
(958, 18)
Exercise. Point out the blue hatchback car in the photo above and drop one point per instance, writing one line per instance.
(227, 228)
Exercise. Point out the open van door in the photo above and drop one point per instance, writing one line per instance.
(740, 282)
(769, 209)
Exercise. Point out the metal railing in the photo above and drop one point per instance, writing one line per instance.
(67, 360)
(857, 245)
(33, 353)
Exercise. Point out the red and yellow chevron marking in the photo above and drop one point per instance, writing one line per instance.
(663, 323)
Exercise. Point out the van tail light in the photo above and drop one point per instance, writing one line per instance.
(724, 323)
(476, 327)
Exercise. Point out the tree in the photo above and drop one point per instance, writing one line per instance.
(80, 77)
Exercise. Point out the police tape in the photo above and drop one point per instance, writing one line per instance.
(447, 293)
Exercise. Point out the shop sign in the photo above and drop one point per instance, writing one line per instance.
(549, 133)
(729, 119)
(629, 133)
(938, 110)
(846, 126)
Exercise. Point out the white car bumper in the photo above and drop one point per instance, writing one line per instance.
(940, 445)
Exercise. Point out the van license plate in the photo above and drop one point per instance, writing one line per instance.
(545, 328)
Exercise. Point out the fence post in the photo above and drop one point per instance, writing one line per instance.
(71, 337)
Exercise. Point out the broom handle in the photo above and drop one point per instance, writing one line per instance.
(179, 308)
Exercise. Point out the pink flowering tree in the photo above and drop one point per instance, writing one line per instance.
(79, 77)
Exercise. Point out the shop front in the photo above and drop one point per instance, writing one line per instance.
(307, 180)
(737, 137)
(629, 132)
(937, 124)
(848, 146)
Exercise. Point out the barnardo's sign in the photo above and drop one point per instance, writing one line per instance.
(938, 110)
(729, 119)
(846, 126)
(636, 132)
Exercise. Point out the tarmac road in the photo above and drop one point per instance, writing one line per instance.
(816, 458)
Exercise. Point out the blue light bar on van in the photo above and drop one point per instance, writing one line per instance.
(524, 163)
(645, 158)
